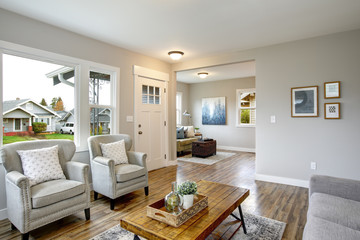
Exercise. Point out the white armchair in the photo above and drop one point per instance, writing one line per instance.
(113, 180)
(30, 207)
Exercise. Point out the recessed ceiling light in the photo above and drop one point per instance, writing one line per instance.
(175, 55)
(203, 74)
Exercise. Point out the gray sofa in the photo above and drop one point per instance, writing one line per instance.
(334, 209)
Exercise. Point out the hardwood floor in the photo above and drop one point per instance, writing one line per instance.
(281, 202)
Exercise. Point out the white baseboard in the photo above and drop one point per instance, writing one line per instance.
(171, 163)
(282, 180)
(3, 214)
(237, 149)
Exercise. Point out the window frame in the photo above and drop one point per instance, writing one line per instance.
(82, 70)
(239, 108)
(179, 121)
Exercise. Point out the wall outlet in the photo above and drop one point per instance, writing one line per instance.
(313, 165)
(272, 119)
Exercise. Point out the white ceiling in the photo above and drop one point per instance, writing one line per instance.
(200, 28)
(217, 73)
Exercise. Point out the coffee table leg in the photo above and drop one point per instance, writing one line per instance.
(240, 219)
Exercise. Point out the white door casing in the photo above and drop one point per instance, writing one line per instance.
(150, 120)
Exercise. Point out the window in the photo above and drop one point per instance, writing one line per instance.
(245, 107)
(46, 120)
(69, 79)
(100, 103)
(150, 95)
(178, 108)
(29, 106)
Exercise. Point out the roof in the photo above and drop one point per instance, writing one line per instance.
(12, 105)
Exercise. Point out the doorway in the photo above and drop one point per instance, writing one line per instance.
(151, 116)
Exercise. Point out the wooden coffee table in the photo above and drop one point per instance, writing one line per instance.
(223, 200)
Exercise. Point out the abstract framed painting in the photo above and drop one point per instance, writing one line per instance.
(304, 101)
(214, 111)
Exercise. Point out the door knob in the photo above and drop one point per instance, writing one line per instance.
(140, 132)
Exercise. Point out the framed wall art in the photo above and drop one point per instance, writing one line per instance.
(214, 111)
(332, 89)
(304, 101)
(332, 110)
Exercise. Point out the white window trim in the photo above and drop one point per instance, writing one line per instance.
(238, 107)
(81, 101)
(180, 113)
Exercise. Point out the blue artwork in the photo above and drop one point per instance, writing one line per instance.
(213, 111)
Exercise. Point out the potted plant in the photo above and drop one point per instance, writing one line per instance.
(187, 190)
(196, 129)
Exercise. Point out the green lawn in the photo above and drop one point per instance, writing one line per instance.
(59, 136)
(12, 139)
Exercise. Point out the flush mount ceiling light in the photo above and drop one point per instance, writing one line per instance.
(175, 55)
(203, 74)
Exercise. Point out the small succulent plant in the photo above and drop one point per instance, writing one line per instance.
(187, 188)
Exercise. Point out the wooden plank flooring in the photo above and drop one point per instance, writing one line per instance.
(281, 202)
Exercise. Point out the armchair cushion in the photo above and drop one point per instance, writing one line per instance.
(51, 192)
(126, 172)
(41, 165)
(115, 151)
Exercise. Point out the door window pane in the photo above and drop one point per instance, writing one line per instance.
(150, 95)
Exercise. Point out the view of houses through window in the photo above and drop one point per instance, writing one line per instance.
(36, 105)
(100, 103)
(246, 107)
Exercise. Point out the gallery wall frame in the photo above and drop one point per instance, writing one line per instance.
(305, 101)
(332, 90)
(332, 110)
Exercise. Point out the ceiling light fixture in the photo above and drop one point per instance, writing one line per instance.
(203, 74)
(175, 55)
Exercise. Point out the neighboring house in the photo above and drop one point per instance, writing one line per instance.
(64, 117)
(101, 117)
(19, 114)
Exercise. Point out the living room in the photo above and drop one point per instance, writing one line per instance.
(284, 149)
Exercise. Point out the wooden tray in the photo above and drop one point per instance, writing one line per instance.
(158, 211)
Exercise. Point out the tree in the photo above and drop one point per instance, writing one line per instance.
(59, 106)
(43, 102)
(53, 102)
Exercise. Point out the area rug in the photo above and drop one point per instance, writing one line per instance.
(208, 160)
(258, 227)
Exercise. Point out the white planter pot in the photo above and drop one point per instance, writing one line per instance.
(188, 201)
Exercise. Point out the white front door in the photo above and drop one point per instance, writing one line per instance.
(150, 120)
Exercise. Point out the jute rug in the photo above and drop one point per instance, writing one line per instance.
(258, 227)
(208, 160)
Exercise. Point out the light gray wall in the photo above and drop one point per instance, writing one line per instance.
(284, 150)
(184, 88)
(225, 135)
(25, 31)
